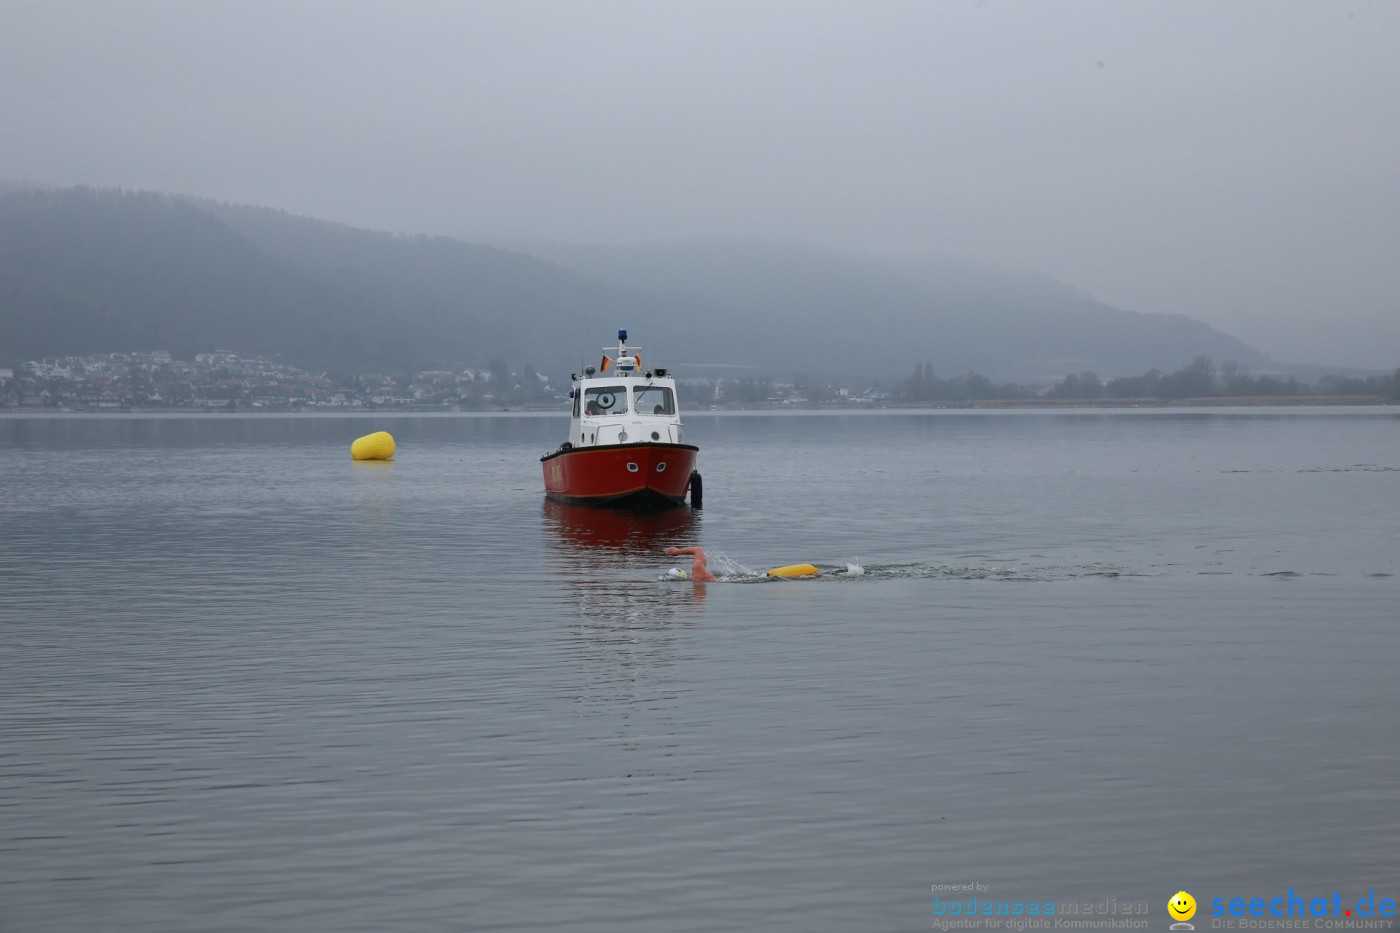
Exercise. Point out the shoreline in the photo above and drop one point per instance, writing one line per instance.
(1260, 401)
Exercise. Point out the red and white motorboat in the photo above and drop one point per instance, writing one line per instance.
(626, 446)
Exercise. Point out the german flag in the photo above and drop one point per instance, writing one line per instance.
(607, 361)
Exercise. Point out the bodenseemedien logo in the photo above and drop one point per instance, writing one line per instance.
(1182, 907)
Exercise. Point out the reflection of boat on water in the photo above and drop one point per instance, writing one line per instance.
(626, 445)
(606, 552)
(617, 531)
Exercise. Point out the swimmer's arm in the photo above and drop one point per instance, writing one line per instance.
(698, 570)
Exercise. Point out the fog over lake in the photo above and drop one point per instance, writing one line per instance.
(1234, 162)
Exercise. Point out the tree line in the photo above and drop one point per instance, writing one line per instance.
(1200, 378)
(924, 386)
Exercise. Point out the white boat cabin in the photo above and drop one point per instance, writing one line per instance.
(624, 404)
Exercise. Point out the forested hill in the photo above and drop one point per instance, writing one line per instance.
(90, 271)
(85, 271)
(960, 317)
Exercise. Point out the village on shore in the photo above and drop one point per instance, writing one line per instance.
(229, 382)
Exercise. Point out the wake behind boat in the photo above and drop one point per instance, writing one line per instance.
(626, 445)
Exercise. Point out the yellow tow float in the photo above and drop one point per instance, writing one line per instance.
(794, 570)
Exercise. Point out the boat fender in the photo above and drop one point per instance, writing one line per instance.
(794, 570)
(697, 490)
(376, 446)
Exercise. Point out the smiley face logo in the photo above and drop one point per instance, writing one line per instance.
(1182, 906)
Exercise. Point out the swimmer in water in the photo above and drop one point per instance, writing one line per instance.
(698, 571)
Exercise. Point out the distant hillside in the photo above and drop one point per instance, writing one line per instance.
(85, 271)
(89, 271)
(863, 316)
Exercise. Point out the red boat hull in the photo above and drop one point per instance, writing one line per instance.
(623, 475)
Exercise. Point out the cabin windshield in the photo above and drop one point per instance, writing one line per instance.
(655, 400)
(605, 400)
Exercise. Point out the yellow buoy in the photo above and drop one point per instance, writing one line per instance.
(794, 570)
(376, 446)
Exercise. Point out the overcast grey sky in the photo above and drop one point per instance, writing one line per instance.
(1235, 161)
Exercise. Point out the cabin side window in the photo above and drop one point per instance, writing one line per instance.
(655, 400)
(605, 400)
(577, 398)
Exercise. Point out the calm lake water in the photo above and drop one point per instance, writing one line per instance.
(249, 684)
